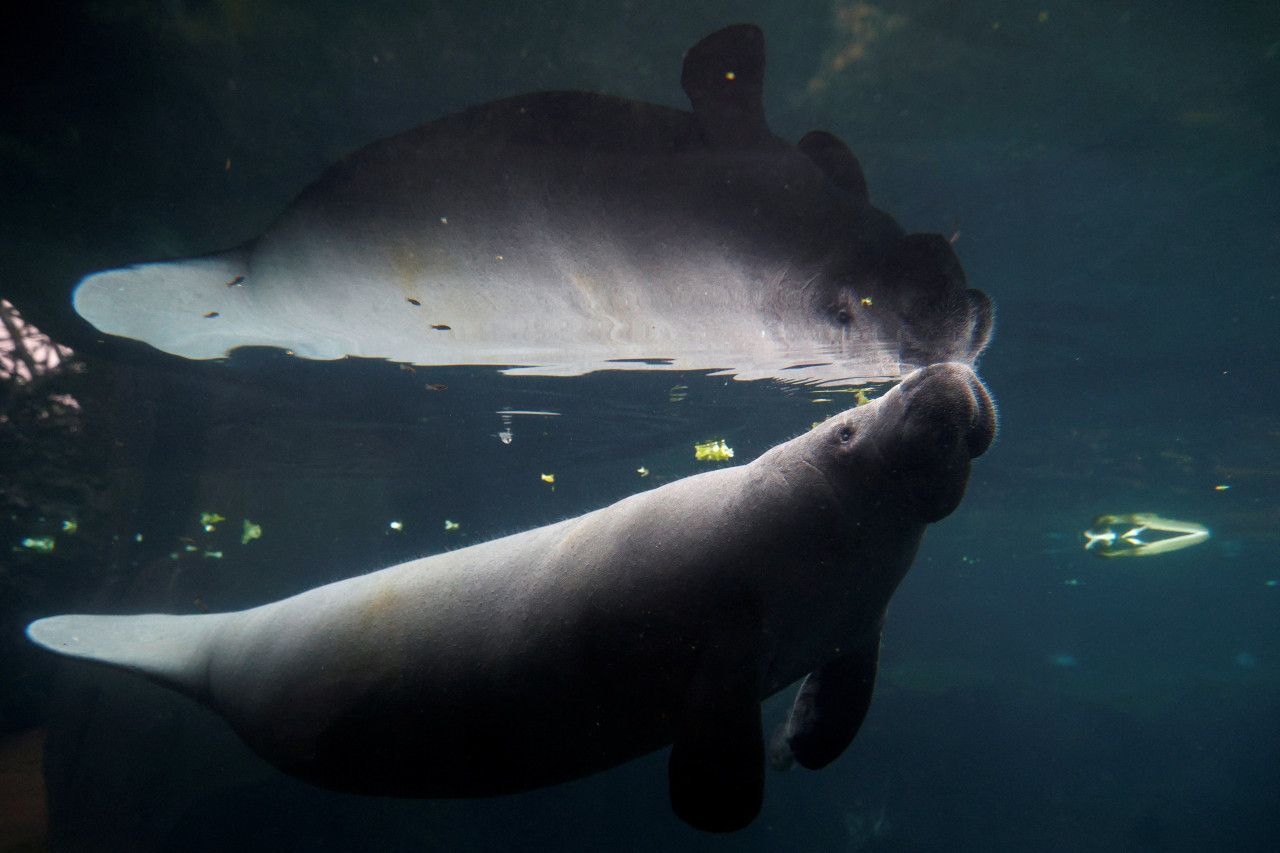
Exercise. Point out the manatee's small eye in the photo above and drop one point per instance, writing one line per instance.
(843, 317)
(846, 435)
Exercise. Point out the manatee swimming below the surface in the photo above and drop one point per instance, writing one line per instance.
(564, 232)
(566, 650)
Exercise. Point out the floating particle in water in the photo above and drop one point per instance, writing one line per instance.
(251, 531)
(712, 451)
(548, 478)
(860, 395)
(397, 526)
(450, 525)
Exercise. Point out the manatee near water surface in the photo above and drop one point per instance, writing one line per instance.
(559, 233)
(562, 651)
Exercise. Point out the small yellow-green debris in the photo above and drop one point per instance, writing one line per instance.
(861, 396)
(70, 526)
(642, 471)
(677, 393)
(1221, 488)
(210, 520)
(712, 451)
(450, 525)
(397, 526)
(251, 531)
(43, 543)
(548, 478)
(137, 537)
(216, 555)
(191, 548)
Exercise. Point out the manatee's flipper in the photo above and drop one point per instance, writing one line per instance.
(169, 650)
(724, 78)
(829, 709)
(716, 770)
(835, 159)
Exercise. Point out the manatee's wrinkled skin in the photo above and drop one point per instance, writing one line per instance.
(564, 232)
(566, 650)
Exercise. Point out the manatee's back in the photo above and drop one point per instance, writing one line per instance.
(170, 650)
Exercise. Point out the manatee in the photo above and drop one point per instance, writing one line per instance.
(566, 232)
(553, 654)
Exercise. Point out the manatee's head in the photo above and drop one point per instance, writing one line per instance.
(908, 452)
(910, 290)
(876, 283)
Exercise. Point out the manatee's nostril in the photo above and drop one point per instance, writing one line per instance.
(846, 434)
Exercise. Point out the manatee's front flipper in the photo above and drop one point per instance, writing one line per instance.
(716, 770)
(724, 78)
(836, 161)
(828, 711)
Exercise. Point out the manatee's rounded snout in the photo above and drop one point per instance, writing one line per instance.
(944, 418)
(950, 396)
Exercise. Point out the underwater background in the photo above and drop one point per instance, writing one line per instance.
(1109, 174)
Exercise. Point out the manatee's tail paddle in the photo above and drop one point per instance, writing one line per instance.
(197, 308)
(170, 650)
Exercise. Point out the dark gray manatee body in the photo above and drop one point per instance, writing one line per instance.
(569, 649)
(565, 232)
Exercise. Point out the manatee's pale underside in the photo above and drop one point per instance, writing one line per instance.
(565, 232)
